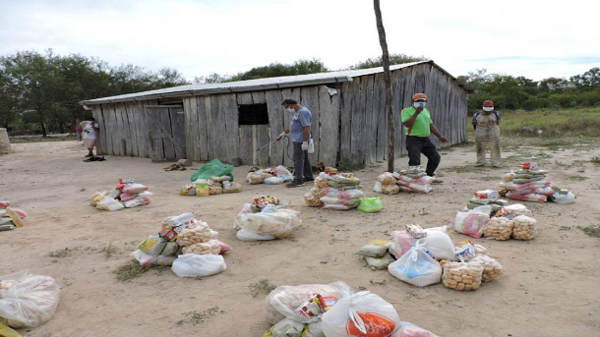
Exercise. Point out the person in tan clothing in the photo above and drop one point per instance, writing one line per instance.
(487, 134)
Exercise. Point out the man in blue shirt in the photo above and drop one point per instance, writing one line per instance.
(300, 134)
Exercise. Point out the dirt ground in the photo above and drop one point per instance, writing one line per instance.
(550, 287)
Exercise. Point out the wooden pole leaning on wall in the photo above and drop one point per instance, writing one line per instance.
(388, 86)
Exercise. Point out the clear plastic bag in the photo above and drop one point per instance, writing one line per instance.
(246, 235)
(285, 328)
(410, 330)
(279, 224)
(473, 221)
(417, 267)
(285, 300)
(194, 265)
(26, 300)
(404, 241)
(377, 187)
(109, 204)
(362, 314)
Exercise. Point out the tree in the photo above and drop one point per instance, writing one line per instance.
(588, 80)
(393, 59)
(385, 57)
(553, 85)
(9, 99)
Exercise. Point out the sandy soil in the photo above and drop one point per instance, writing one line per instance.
(550, 287)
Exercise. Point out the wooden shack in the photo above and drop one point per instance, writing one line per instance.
(238, 122)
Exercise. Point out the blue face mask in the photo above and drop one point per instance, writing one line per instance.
(419, 104)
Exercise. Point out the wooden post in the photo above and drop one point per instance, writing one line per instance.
(388, 86)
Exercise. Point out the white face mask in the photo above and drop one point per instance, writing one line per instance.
(290, 110)
(488, 108)
(419, 104)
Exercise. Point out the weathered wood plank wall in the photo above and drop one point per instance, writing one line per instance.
(349, 122)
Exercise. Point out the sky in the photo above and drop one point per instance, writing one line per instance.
(198, 37)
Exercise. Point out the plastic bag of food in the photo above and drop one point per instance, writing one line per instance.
(390, 189)
(142, 257)
(285, 328)
(375, 248)
(153, 245)
(362, 314)
(313, 330)
(417, 267)
(246, 235)
(338, 207)
(232, 188)
(387, 179)
(109, 204)
(403, 240)
(284, 301)
(194, 265)
(492, 269)
(524, 228)
(564, 198)
(313, 201)
(339, 201)
(201, 248)
(527, 197)
(134, 188)
(379, 263)
(462, 275)
(516, 210)
(471, 222)
(274, 181)
(321, 182)
(27, 300)
(439, 244)
(165, 260)
(224, 248)
(279, 224)
(196, 233)
(370, 205)
(500, 228)
(213, 168)
(14, 216)
(410, 330)
(139, 201)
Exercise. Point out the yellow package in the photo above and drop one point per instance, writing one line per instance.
(202, 188)
(15, 217)
(8, 332)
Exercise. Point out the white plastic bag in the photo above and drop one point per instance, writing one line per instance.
(279, 224)
(440, 245)
(362, 314)
(26, 300)
(417, 267)
(274, 181)
(143, 258)
(109, 204)
(568, 198)
(472, 222)
(377, 187)
(246, 235)
(194, 265)
(285, 300)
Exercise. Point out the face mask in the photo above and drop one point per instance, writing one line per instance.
(290, 110)
(419, 104)
(488, 108)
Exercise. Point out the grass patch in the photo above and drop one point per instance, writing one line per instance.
(593, 231)
(553, 123)
(109, 250)
(199, 317)
(350, 165)
(595, 160)
(379, 282)
(262, 286)
(41, 139)
(61, 253)
(129, 271)
(576, 178)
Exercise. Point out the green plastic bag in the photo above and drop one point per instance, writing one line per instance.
(370, 205)
(213, 168)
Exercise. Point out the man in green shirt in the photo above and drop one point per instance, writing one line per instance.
(418, 127)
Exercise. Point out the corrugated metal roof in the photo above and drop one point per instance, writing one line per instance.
(250, 85)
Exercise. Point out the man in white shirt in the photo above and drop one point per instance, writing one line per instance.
(90, 132)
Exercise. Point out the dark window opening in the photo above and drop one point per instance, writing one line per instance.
(253, 114)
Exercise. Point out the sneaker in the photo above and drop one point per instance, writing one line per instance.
(479, 164)
(294, 184)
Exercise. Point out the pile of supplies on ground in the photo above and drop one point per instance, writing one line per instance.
(423, 257)
(185, 243)
(126, 194)
(266, 218)
(333, 310)
(413, 180)
(512, 221)
(332, 190)
(211, 186)
(10, 217)
(487, 197)
(27, 300)
(272, 176)
(530, 184)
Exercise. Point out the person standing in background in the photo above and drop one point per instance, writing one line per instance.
(78, 129)
(300, 132)
(487, 134)
(90, 132)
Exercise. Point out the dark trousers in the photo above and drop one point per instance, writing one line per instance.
(417, 145)
(302, 167)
